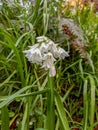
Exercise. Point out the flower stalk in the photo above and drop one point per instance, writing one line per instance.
(50, 121)
(45, 52)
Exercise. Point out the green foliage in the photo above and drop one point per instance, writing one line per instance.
(29, 99)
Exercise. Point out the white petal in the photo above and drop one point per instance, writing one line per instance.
(41, 39)
(52, 71)
(62, 53)
(49, 57)
(48, 61)
(34, 46)
(48, 64)
(43, 48)
(37, 58)
(51, 46)
(34, 56)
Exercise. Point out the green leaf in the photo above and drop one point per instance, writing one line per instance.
(50, 105)
(85, 104)
(4, 118)
(92, 103)
(61, 112)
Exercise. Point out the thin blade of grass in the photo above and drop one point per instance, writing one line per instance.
(7, 80)
(85, 103)
(24, 125)
(92, 103)
(61, 112)
(50, 105)
(4, 118)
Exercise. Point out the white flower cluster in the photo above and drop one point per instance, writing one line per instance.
(45, 52)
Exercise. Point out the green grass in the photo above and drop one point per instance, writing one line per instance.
(29, 98)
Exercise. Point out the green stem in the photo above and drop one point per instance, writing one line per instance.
(50, 105)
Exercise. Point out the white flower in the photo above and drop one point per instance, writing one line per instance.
(41, 39)
(45, 54)
(34, 46)
(48, 64)
(52, 71)
(48, 60)
(34, 56)
(62, 53)
(43, 48)
(52, 47)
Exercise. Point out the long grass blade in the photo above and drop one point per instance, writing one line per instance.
(85, 104)
(92, 102)
(4, 118)
(50, 105)
(61, 112)
(8, 79)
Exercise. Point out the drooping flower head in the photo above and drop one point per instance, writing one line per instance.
(45, 53)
